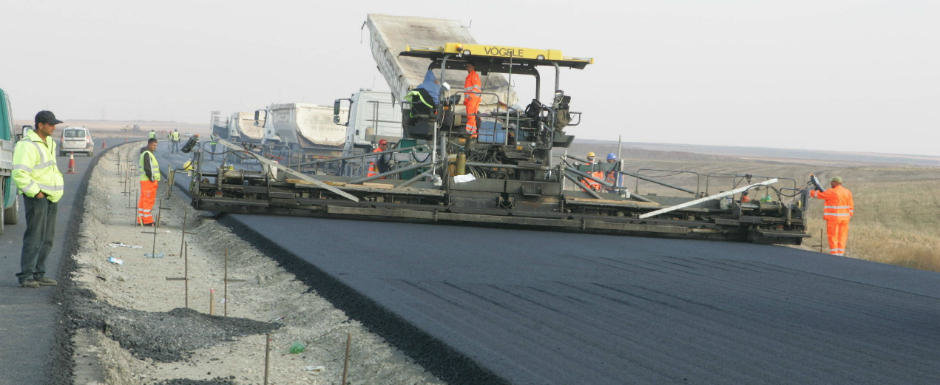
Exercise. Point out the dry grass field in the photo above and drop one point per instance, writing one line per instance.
(897, 207)
(896, 221)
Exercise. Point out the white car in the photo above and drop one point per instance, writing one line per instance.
(76, 139)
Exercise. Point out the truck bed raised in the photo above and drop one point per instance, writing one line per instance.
(391, 34)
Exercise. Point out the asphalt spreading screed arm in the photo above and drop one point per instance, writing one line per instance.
(299, 175)
(706, 199)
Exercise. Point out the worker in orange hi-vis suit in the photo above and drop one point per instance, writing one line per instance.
(838, 210)
(149, 182)
(471, 100)
(383, 146)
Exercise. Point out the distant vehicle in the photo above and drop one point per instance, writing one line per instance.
(219, 125)
(23, 131)
(9, 204)
(304, 129)
(242, 128)
(76, 139)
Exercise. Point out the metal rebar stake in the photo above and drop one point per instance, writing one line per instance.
(820, 240)
(346, 359)
(267, 355)
(185, 277)
(225, 286)
(159, 208)
(136, 202)
(225, 281)
(183, 233)
(186, 273)
(153, 248)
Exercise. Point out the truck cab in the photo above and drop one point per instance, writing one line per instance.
(9, 202)
(23, 130)
(371, 116)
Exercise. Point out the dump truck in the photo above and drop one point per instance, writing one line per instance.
(243, 128)
(219, 125)
(390, 35)
(508, 176)
(240, 127)
(304, 129)
(9, 194)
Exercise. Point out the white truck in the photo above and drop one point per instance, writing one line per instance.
(303, 129)
(9, 196)
(370, 116)
(219, 125)
(242, 128)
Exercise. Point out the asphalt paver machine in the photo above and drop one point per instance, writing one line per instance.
(512, 174)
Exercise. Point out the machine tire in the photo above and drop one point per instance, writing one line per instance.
(2, 212)
(11, 215)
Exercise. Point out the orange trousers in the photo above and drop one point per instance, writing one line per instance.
(148, 195)
(473, 106)
(837, 230)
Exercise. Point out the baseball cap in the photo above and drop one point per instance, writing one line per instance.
(46, 117)
(836, 179)
(382, 141)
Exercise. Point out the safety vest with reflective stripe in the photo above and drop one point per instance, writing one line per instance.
(175, 136)
(373, 171)
(592, 169)
(472, 84)
(838, 203)
(417, 95)
(154, 167)
(35, 169)
(613, 175)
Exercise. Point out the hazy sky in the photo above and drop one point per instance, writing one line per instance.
(840, 75)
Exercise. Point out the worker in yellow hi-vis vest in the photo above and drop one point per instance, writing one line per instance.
(175, 141)
(149, 181)
(36, 174)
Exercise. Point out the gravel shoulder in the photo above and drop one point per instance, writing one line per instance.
(130, 324)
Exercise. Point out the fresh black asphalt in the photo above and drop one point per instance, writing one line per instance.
(536, 307)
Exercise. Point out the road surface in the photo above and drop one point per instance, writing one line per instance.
(535, 307)
(30, 353)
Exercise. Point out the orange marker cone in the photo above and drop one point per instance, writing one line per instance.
(71, 163)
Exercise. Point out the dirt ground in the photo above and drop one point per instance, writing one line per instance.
(132, 326)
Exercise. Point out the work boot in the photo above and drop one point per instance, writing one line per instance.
(43, 281)
(30, 284)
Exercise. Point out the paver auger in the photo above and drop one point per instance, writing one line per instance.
(505, 177)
